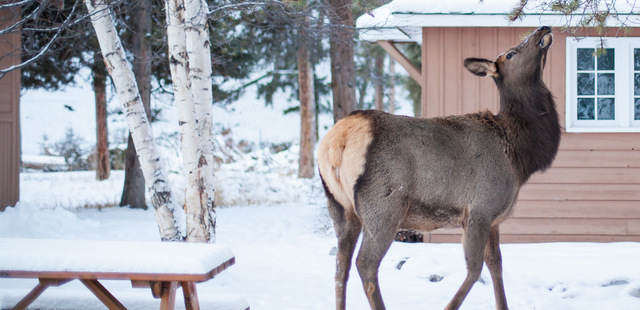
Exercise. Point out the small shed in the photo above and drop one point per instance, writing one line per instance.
(592, 190)
(9, 112)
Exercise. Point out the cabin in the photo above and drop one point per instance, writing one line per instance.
(9, 112)
(592, 191)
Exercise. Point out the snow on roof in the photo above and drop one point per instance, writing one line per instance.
(402, 20)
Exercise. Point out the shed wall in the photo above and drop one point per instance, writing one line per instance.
(9, 118)
(592, 190)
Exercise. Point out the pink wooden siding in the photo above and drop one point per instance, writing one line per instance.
(592, 191)
(9, 123)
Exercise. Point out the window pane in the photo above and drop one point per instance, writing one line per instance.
(586, 108)
(586, 84)
(585, 59)
(636, 114)
(636, 84)
(636, 59)
(606, 60)
(606, 109)
(606, 84)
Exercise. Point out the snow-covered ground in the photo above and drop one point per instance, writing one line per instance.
(284, 261)
(279, 230)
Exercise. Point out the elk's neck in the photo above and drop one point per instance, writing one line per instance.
(532, 130)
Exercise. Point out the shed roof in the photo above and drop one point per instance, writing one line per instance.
(402, 20)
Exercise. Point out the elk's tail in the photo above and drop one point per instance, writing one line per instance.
(342, 156)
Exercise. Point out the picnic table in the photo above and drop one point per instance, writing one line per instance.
(160, 266)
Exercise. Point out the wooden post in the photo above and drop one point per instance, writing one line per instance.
(190, 296)
(168, 301)
(396, 54)
(105, 297)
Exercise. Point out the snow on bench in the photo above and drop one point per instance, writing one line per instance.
(160, 266)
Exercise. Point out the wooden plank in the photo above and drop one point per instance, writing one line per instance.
(553, 226)
(506, 238)
(103, 294)
(168, 299)
(397, 55)
(444, 238)
(595, 159)
(451, 71)
(588, 175)
(604, 192)
(600, 141)
(577, 209)
(31, 296)
(470, 82)
(634, 226)
(488, 97)
(560, 226)
(156, 288)
(432, 72)
(190, 296)
(557, 71)
(567, 238)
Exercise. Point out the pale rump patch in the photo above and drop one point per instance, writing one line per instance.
(342, 155)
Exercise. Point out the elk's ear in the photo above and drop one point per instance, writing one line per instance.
(481, 67)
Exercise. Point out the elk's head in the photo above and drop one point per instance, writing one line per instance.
(522, 63)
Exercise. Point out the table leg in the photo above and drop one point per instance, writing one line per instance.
(190, 296)
(168, 301)
(37, 291)
(27, 300)
(103, 294)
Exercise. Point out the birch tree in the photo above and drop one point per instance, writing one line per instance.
(199, 52)
(190, 62)
(168, 213)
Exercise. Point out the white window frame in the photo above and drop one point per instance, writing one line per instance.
(624, 86)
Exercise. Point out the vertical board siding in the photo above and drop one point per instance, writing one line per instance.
(469, 41)
(592, 191)
(9, 118)
(451, 70)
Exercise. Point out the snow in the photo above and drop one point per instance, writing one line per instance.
(402, 20)
(44, 159)
(105, 256)
(283, 261)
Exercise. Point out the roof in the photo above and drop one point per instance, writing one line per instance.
(402, 20)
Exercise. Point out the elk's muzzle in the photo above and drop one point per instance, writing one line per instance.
(547, 37)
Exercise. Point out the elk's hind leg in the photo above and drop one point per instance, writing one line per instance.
(474, 241)
(380, 218)
(493, 259)
(347, 227)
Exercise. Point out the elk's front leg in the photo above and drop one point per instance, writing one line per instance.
(474, 241)
(493, 259)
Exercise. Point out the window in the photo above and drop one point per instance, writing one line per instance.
(603, 91)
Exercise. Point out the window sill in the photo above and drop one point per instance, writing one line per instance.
(603, 129)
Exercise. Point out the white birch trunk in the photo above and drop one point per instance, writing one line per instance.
(191, 153)
(168, 213)
(199, 51)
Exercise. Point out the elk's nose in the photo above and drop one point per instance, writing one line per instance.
(544, 28)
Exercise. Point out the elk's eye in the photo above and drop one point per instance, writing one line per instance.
(510, 55)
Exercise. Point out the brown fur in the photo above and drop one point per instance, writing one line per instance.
(347, 142)
(381, 172)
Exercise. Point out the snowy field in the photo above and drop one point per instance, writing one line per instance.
(284, 261)
(279, 230)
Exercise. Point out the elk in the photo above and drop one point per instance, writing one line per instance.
(383, 172)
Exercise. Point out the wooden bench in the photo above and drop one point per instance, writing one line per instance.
(161, 266)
